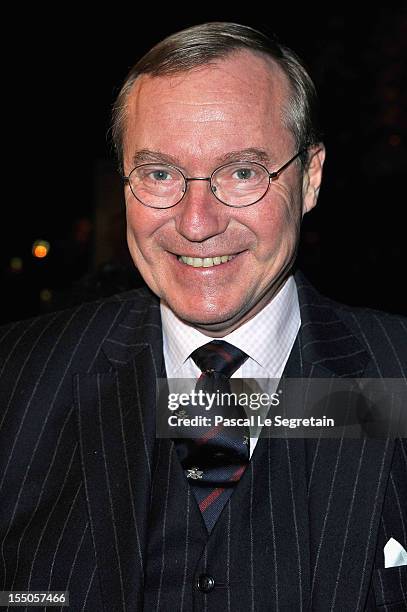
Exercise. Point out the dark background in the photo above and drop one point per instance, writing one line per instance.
(61, 73)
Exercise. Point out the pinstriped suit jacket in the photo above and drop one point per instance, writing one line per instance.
(77, 428)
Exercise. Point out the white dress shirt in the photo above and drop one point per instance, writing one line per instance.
(267, 339)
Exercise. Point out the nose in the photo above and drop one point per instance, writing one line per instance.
(200, 215)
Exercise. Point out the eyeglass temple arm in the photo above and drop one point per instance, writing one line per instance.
(273, 175)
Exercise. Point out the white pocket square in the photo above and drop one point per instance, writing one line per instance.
(394, 554)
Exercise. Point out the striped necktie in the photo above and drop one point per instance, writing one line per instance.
(215, 458)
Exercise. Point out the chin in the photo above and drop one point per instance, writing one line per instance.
(201, 314)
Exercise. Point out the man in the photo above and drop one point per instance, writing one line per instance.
(217, 142)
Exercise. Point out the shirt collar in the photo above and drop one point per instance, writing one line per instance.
(277, 323)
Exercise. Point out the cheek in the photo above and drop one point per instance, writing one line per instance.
(141, 226)
(276, 227)
(140, 240)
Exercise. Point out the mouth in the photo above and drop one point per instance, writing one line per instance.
(205, 262)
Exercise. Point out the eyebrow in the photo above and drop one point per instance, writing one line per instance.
(248, 154)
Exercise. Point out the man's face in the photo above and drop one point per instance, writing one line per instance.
(193, 120)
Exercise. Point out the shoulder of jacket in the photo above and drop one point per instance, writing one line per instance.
(90, 319)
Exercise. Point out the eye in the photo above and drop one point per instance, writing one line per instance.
(244, 174)
(160, 175)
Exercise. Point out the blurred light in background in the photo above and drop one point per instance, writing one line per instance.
(40, 249)
(45, 295)
(394, 140)
(16, 265)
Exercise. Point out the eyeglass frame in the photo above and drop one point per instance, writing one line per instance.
(271, 176)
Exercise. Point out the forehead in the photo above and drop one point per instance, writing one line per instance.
(239, 101)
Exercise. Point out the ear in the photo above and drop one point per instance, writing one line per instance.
(312, 177)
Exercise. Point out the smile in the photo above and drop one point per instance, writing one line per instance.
(205, 262)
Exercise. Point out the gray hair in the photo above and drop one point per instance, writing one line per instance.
(203, 44)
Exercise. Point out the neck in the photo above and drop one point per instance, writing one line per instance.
(223, 328)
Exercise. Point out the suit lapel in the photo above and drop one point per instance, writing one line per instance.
(346, 478)
(116, 421)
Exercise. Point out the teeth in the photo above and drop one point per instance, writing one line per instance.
(205, 262)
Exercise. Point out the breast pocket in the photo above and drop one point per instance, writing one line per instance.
(390, 589)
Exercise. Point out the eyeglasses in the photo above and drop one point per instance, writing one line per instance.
(237, 184)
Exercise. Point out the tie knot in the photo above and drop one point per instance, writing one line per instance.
(219, 356)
